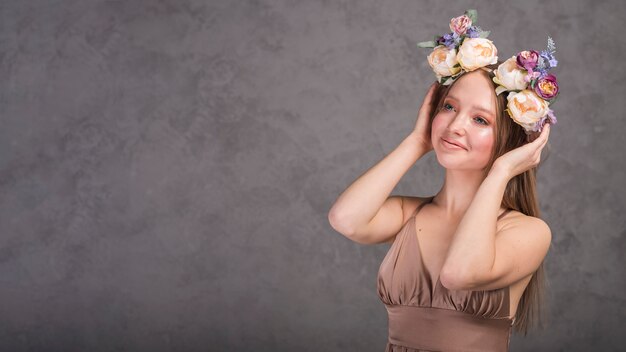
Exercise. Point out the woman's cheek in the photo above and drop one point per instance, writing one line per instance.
(436, 126)
(483, 140)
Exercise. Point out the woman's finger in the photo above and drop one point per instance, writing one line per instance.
(544, 140)
(546, 134)
(543, 136)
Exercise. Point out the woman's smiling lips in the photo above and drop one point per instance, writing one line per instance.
(451, 145)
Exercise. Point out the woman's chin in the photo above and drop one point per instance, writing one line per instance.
(457, 161)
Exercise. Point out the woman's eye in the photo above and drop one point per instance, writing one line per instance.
(480, 120)
(483, 121)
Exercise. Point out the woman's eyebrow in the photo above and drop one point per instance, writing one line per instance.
(476, 107)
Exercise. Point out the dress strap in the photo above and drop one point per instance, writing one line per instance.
(422, 205)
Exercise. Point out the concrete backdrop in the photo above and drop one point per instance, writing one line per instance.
(166, 168)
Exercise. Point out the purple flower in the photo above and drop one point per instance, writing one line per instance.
(551, 117)
(451, 40)
(542, 72)
(472, 32)
(547, 87)
(527, 59)
(548, 118)
(531, 75)
(548, 56)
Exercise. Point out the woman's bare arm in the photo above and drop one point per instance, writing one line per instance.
(365, 212)
(482, 258)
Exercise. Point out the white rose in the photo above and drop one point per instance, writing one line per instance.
(510, 75)
(476, 52)
(526, 108)
(443, 60)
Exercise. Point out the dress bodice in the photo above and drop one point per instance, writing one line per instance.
(426, 315)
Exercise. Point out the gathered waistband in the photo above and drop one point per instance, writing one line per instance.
(446, 329)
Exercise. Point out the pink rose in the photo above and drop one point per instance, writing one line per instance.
(546, 87)
(527, 59)
(460, 24)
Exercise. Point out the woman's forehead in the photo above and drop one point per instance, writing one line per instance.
(474, 89)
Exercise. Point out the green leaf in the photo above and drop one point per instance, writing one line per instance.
(473, 15)
(484, 34)
(428, 44)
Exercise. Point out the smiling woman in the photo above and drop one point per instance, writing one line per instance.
(465, 267)
(475, 118)
(465, 116)
(492, 271)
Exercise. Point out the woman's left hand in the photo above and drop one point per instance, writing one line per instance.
(523, 158)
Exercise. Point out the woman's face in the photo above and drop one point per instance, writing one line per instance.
(467, 118)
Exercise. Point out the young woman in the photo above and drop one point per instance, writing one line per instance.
(465, 265)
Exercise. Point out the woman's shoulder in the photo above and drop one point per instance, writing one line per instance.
(517, 218)
(513, 213)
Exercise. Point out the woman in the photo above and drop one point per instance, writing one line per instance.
(475, 246)
(465, 266)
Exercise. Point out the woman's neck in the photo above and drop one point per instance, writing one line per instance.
(458, 191)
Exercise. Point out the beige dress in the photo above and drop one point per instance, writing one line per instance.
(426, 316)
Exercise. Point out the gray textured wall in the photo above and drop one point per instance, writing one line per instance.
(166, 168)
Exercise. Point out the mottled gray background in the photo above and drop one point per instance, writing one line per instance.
(166, 168)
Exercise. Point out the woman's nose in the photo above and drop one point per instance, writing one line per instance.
(457, 125)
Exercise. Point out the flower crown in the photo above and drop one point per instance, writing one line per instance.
(525, 75)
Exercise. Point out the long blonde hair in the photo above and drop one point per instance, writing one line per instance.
(520, 194)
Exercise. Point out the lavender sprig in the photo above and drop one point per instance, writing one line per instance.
(548, 55)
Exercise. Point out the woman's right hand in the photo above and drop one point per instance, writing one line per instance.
(422, 125)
